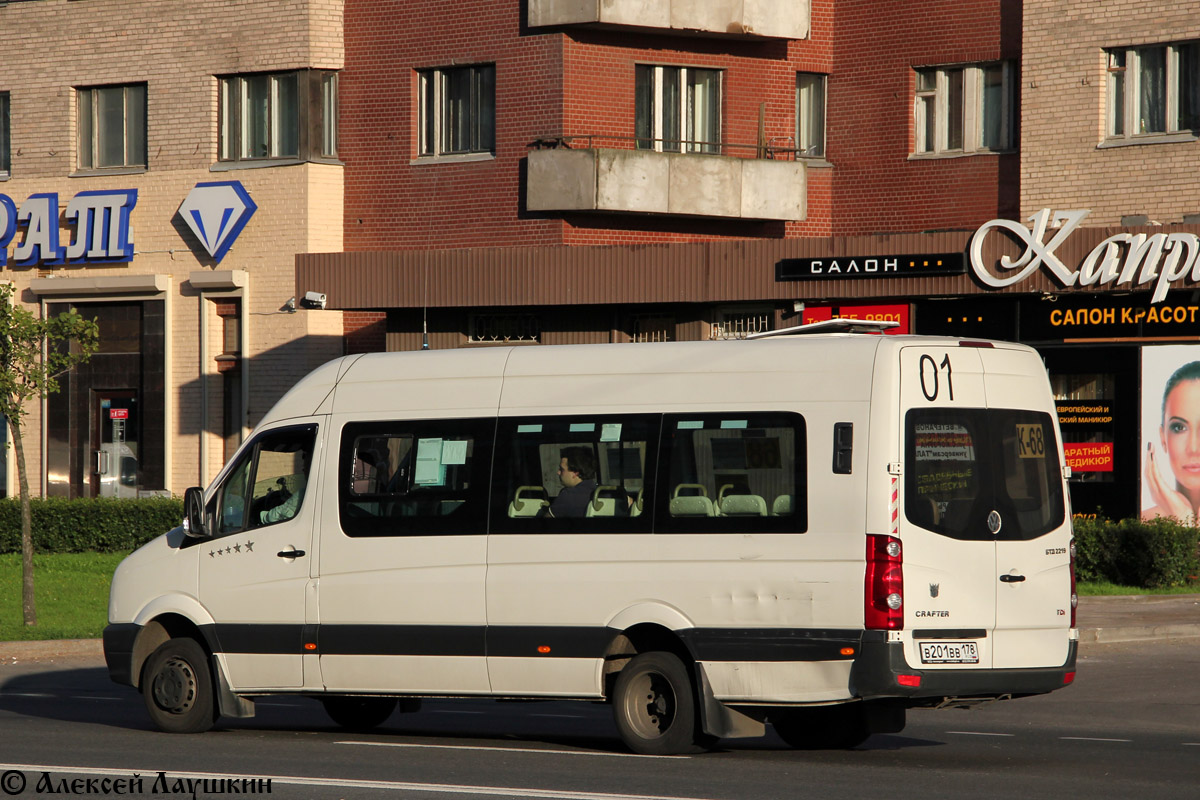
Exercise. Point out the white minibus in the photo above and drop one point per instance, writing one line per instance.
(817, 530)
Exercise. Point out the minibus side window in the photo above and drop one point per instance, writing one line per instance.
(578, 474)
(269, 482)
(733, 472)
(414, 478)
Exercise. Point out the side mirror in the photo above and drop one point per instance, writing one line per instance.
(193, 513)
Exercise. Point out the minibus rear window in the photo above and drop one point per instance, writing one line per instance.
(963, 464)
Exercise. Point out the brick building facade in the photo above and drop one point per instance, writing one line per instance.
(936, 122)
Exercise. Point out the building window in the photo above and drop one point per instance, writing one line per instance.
(287, 115)
(1153, 90)
(457, 113)
(112, 126)
(965, 109)
(810, 115)
(504, 328)
(677, 109)
(5, 150)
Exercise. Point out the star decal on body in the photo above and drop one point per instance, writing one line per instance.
(249, 547)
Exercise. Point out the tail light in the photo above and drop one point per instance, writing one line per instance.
(1074, 593)
(883, 601)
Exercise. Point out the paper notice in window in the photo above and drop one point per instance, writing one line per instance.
(454, 452)
(428, 470)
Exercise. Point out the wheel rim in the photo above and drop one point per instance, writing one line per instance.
(650, 705)
(175, 686)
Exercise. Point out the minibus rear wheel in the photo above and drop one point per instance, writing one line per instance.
(654, 705)
(359, 713)
(178, 688)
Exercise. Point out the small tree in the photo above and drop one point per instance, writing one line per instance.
(25, 374)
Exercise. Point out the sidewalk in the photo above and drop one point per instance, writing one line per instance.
(1139, 617)
(1101, 620)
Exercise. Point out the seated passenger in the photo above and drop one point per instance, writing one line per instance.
(577, 471)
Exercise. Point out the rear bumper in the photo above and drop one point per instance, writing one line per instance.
(876, 672)
(118, 651)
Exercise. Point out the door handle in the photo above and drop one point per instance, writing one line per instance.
(297, 554)
(1011, 578)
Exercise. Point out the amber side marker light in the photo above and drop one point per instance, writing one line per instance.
(543, 648)
(310, 646)
(847, 651)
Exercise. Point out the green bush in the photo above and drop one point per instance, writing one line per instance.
(1130, 552)
(101, 524)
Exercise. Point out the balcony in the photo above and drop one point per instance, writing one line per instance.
(578, 173)
(778, 19)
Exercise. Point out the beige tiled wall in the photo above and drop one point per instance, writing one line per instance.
(177, 48)
(1063, 107)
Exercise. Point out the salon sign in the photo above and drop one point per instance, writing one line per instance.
(1127, 260)
(101, 220)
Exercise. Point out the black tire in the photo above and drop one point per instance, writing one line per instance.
(177, 686)
(654, 705)
(359, 713)
(837, 727)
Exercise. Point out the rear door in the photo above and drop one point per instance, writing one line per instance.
(986, 536)
(949, 554)
(1033, 586)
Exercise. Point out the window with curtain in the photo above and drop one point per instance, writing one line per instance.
(1153, 91)
(457, 110)
(677, 109)
(285, 116)
(964, 109)
(112, 126)
(5, 151)
(810, 115)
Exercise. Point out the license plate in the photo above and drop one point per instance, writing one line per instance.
(949, 653)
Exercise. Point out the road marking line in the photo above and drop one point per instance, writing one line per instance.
(978, 733)
(1092, 739)
(504, 749)
(402, 786)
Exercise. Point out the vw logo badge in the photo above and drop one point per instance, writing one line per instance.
(994, 522)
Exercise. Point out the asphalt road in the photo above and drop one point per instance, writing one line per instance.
(1128, 727)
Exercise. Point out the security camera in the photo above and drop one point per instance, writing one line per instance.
(313, 300)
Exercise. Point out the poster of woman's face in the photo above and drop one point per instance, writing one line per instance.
(1170, 431)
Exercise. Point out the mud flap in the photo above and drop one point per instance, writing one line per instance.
(718, 719)
(228, 703)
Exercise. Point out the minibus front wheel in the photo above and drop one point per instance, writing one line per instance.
(177, 686)
(654, 705)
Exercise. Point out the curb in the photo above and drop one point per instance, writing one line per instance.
(41, 649)
(1137, 633)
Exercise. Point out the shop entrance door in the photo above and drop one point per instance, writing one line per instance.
(115, 422)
